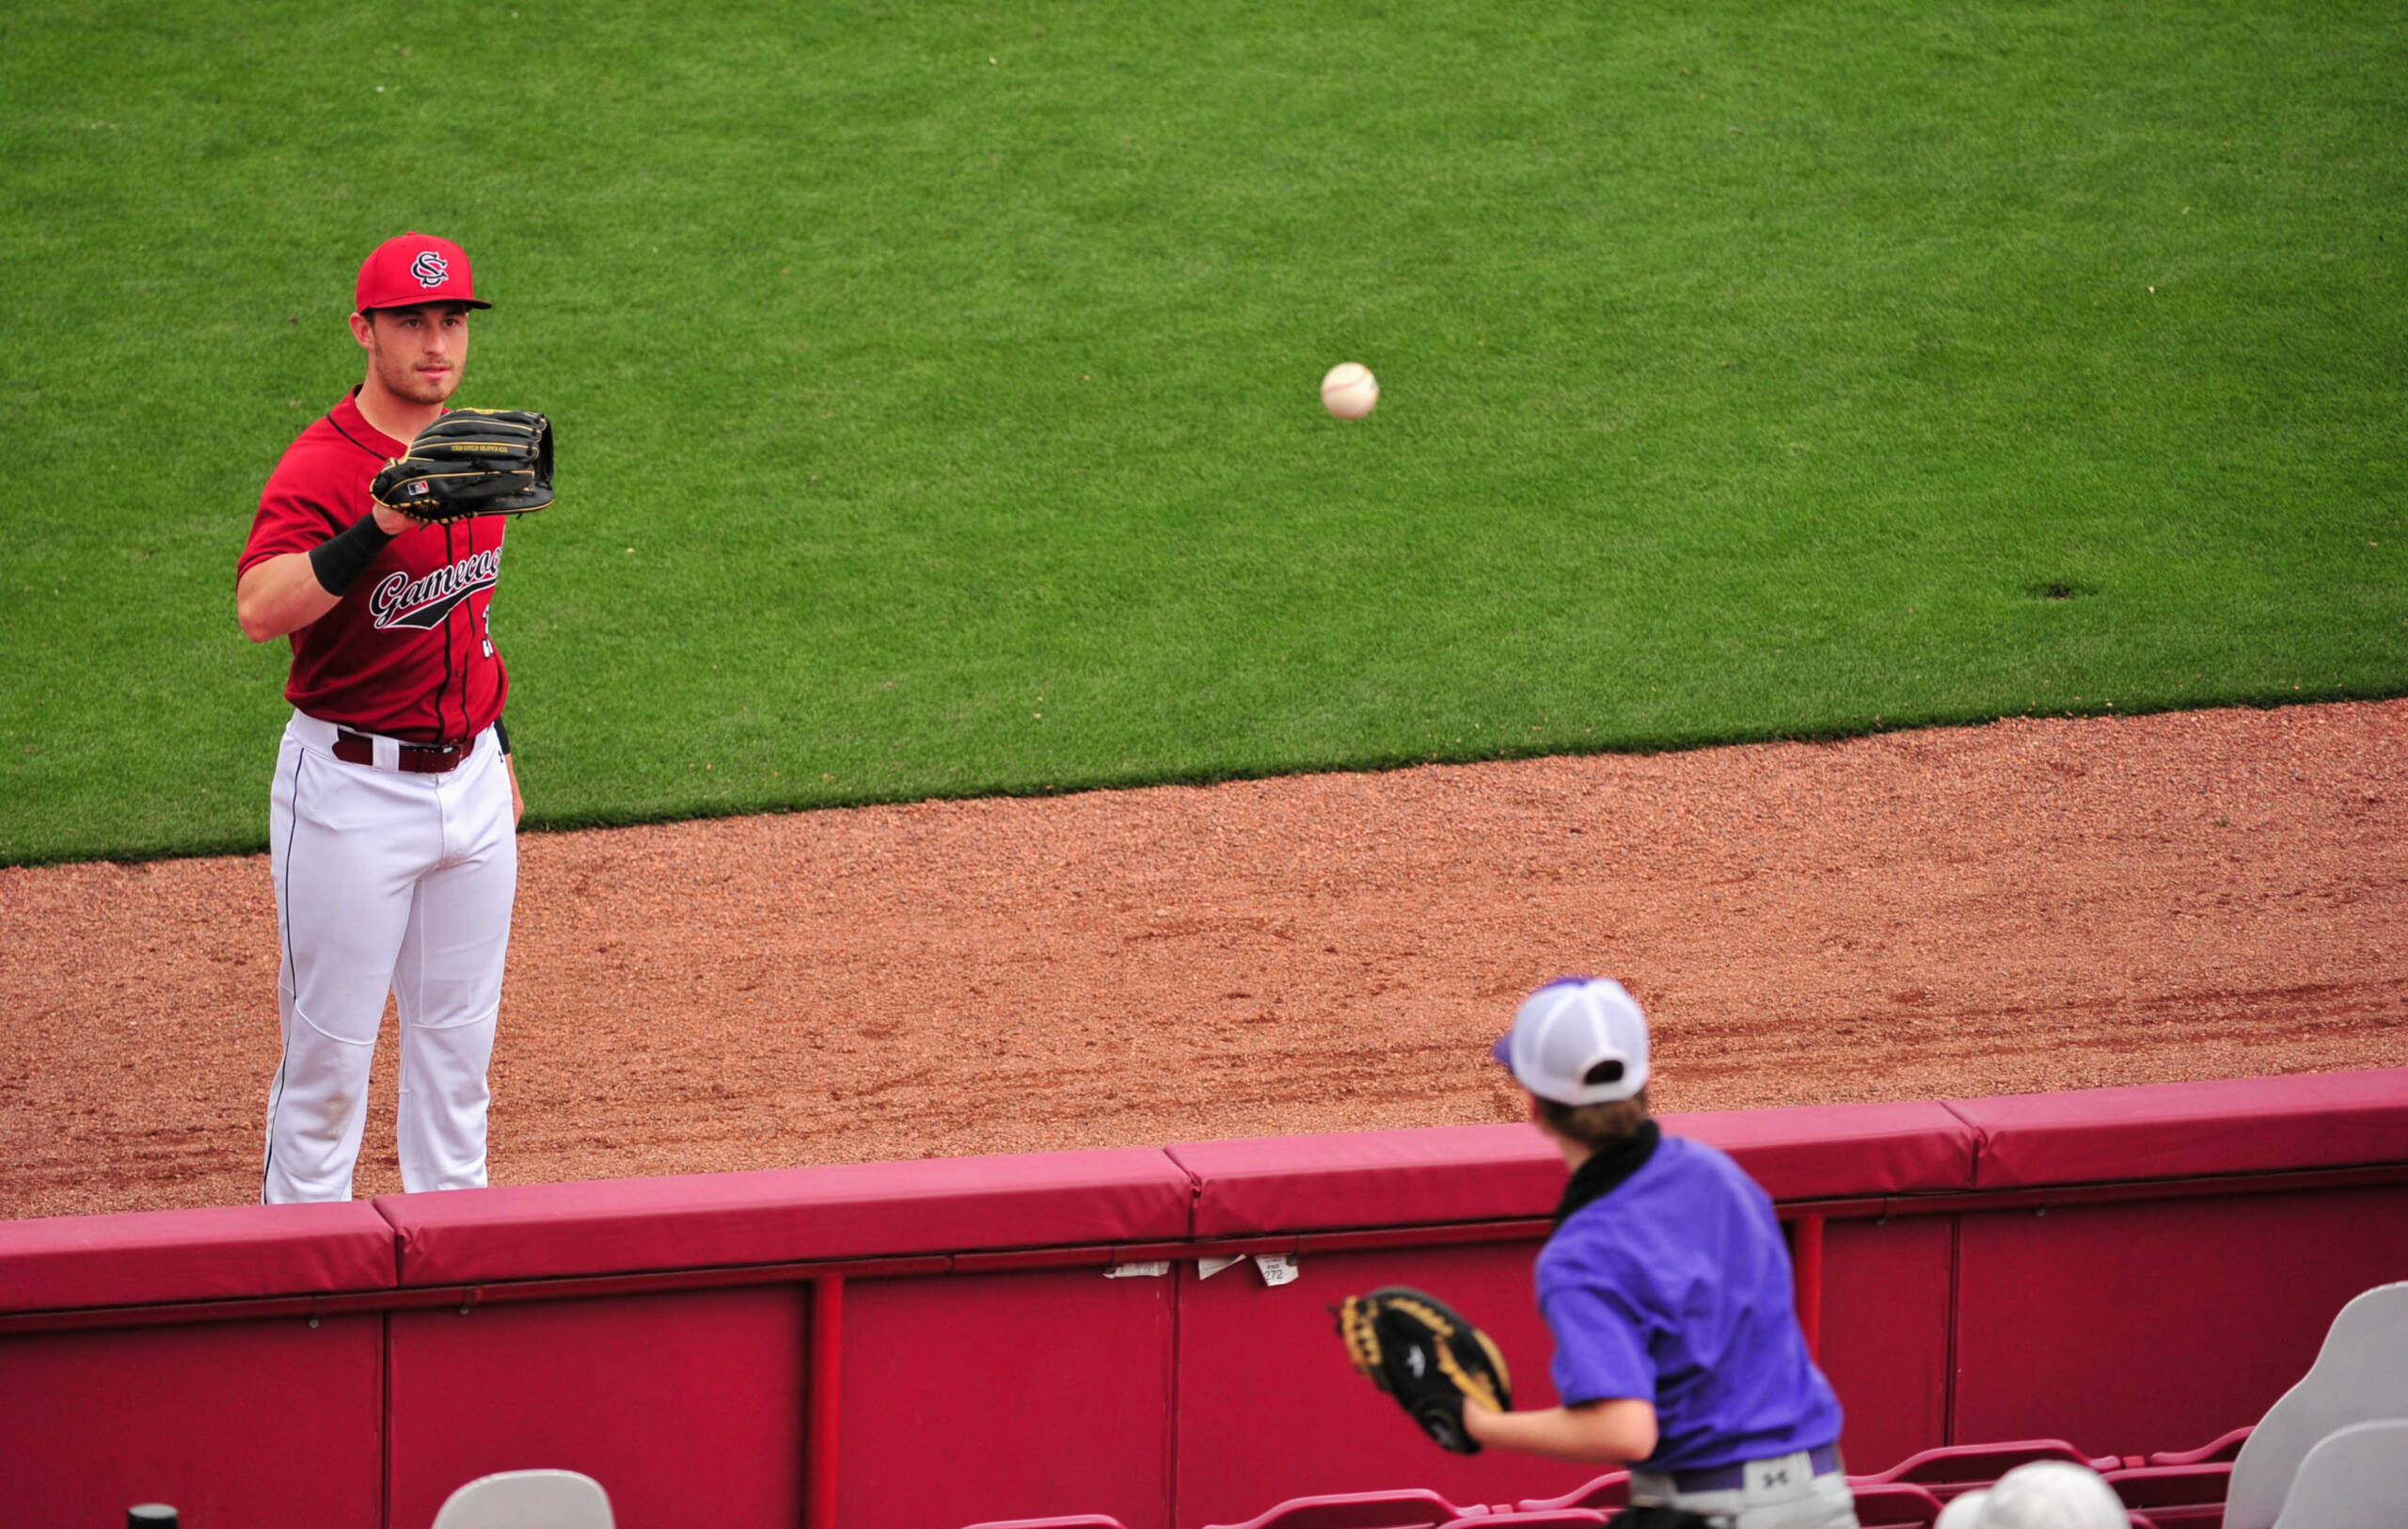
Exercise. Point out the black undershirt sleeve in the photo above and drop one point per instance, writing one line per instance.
(341, 559)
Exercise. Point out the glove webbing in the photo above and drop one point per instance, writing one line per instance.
(1470, 1385)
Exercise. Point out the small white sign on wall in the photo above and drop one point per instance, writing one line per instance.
(1144, 1268)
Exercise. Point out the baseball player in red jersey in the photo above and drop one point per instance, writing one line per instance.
(395, 807)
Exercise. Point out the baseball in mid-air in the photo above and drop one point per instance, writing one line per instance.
(1350, 390)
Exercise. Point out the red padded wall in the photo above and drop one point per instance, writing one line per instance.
(248, 1422)
(1496, 1172)
(1813, 1152)
(1004, 1396)
(1268, 1408)
(774, 1216)
(213, 1253)
(687, 1407)
(2132, 1326)
(1429, 1175)
(2182, 1130)
(1885, 1335)
(2144, 1326)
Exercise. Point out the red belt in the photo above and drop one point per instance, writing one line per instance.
(417, 758)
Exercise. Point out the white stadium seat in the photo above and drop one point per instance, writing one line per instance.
(2356, 1478)
(2360, 1375)
(528, 1500)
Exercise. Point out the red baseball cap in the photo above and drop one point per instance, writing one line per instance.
(412, 269)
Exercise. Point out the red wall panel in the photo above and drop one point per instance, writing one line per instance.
(2158, 1325)
(250, 1422)
(1885, 1335)
(687, 1407)
(1268, 1408)
(1004, 1396)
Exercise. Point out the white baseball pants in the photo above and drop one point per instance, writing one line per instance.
(1779, 1494)
(384, 882)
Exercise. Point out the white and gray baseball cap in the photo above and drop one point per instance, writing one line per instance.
(1577, 1040)
(2051, 1494)
(1964, 1510)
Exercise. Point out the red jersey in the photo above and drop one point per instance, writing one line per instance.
(406, 652)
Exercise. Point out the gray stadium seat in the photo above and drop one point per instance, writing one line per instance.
(2360, 1375)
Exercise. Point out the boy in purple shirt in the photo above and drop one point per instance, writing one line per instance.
(1667, 1286)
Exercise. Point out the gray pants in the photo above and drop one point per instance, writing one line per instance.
(1779, 1494)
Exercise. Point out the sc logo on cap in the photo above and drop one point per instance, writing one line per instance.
(430, 268)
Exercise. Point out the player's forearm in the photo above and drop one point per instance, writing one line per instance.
(1617, 1431)
(279, 596)
(293, 589)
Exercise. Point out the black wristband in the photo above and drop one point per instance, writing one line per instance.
(341, 559)
(501, 735)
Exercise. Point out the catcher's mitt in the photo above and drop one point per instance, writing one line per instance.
(472, 461)
(1414, 1347)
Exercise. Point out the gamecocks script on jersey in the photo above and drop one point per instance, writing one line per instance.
(400, 600)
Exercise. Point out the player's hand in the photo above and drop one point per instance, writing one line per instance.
(393, 522)
(1478, 1419)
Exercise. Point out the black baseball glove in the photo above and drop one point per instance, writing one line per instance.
(472, 461)
(1414, 1347)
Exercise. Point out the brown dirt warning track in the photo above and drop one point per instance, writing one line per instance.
(2031, 905)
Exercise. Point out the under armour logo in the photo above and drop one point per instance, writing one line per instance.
(1777, 1478)
(430, 268)
(1414, 1361)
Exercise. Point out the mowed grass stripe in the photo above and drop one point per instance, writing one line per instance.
(934, 425)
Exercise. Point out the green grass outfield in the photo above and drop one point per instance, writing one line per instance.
(936, 385)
